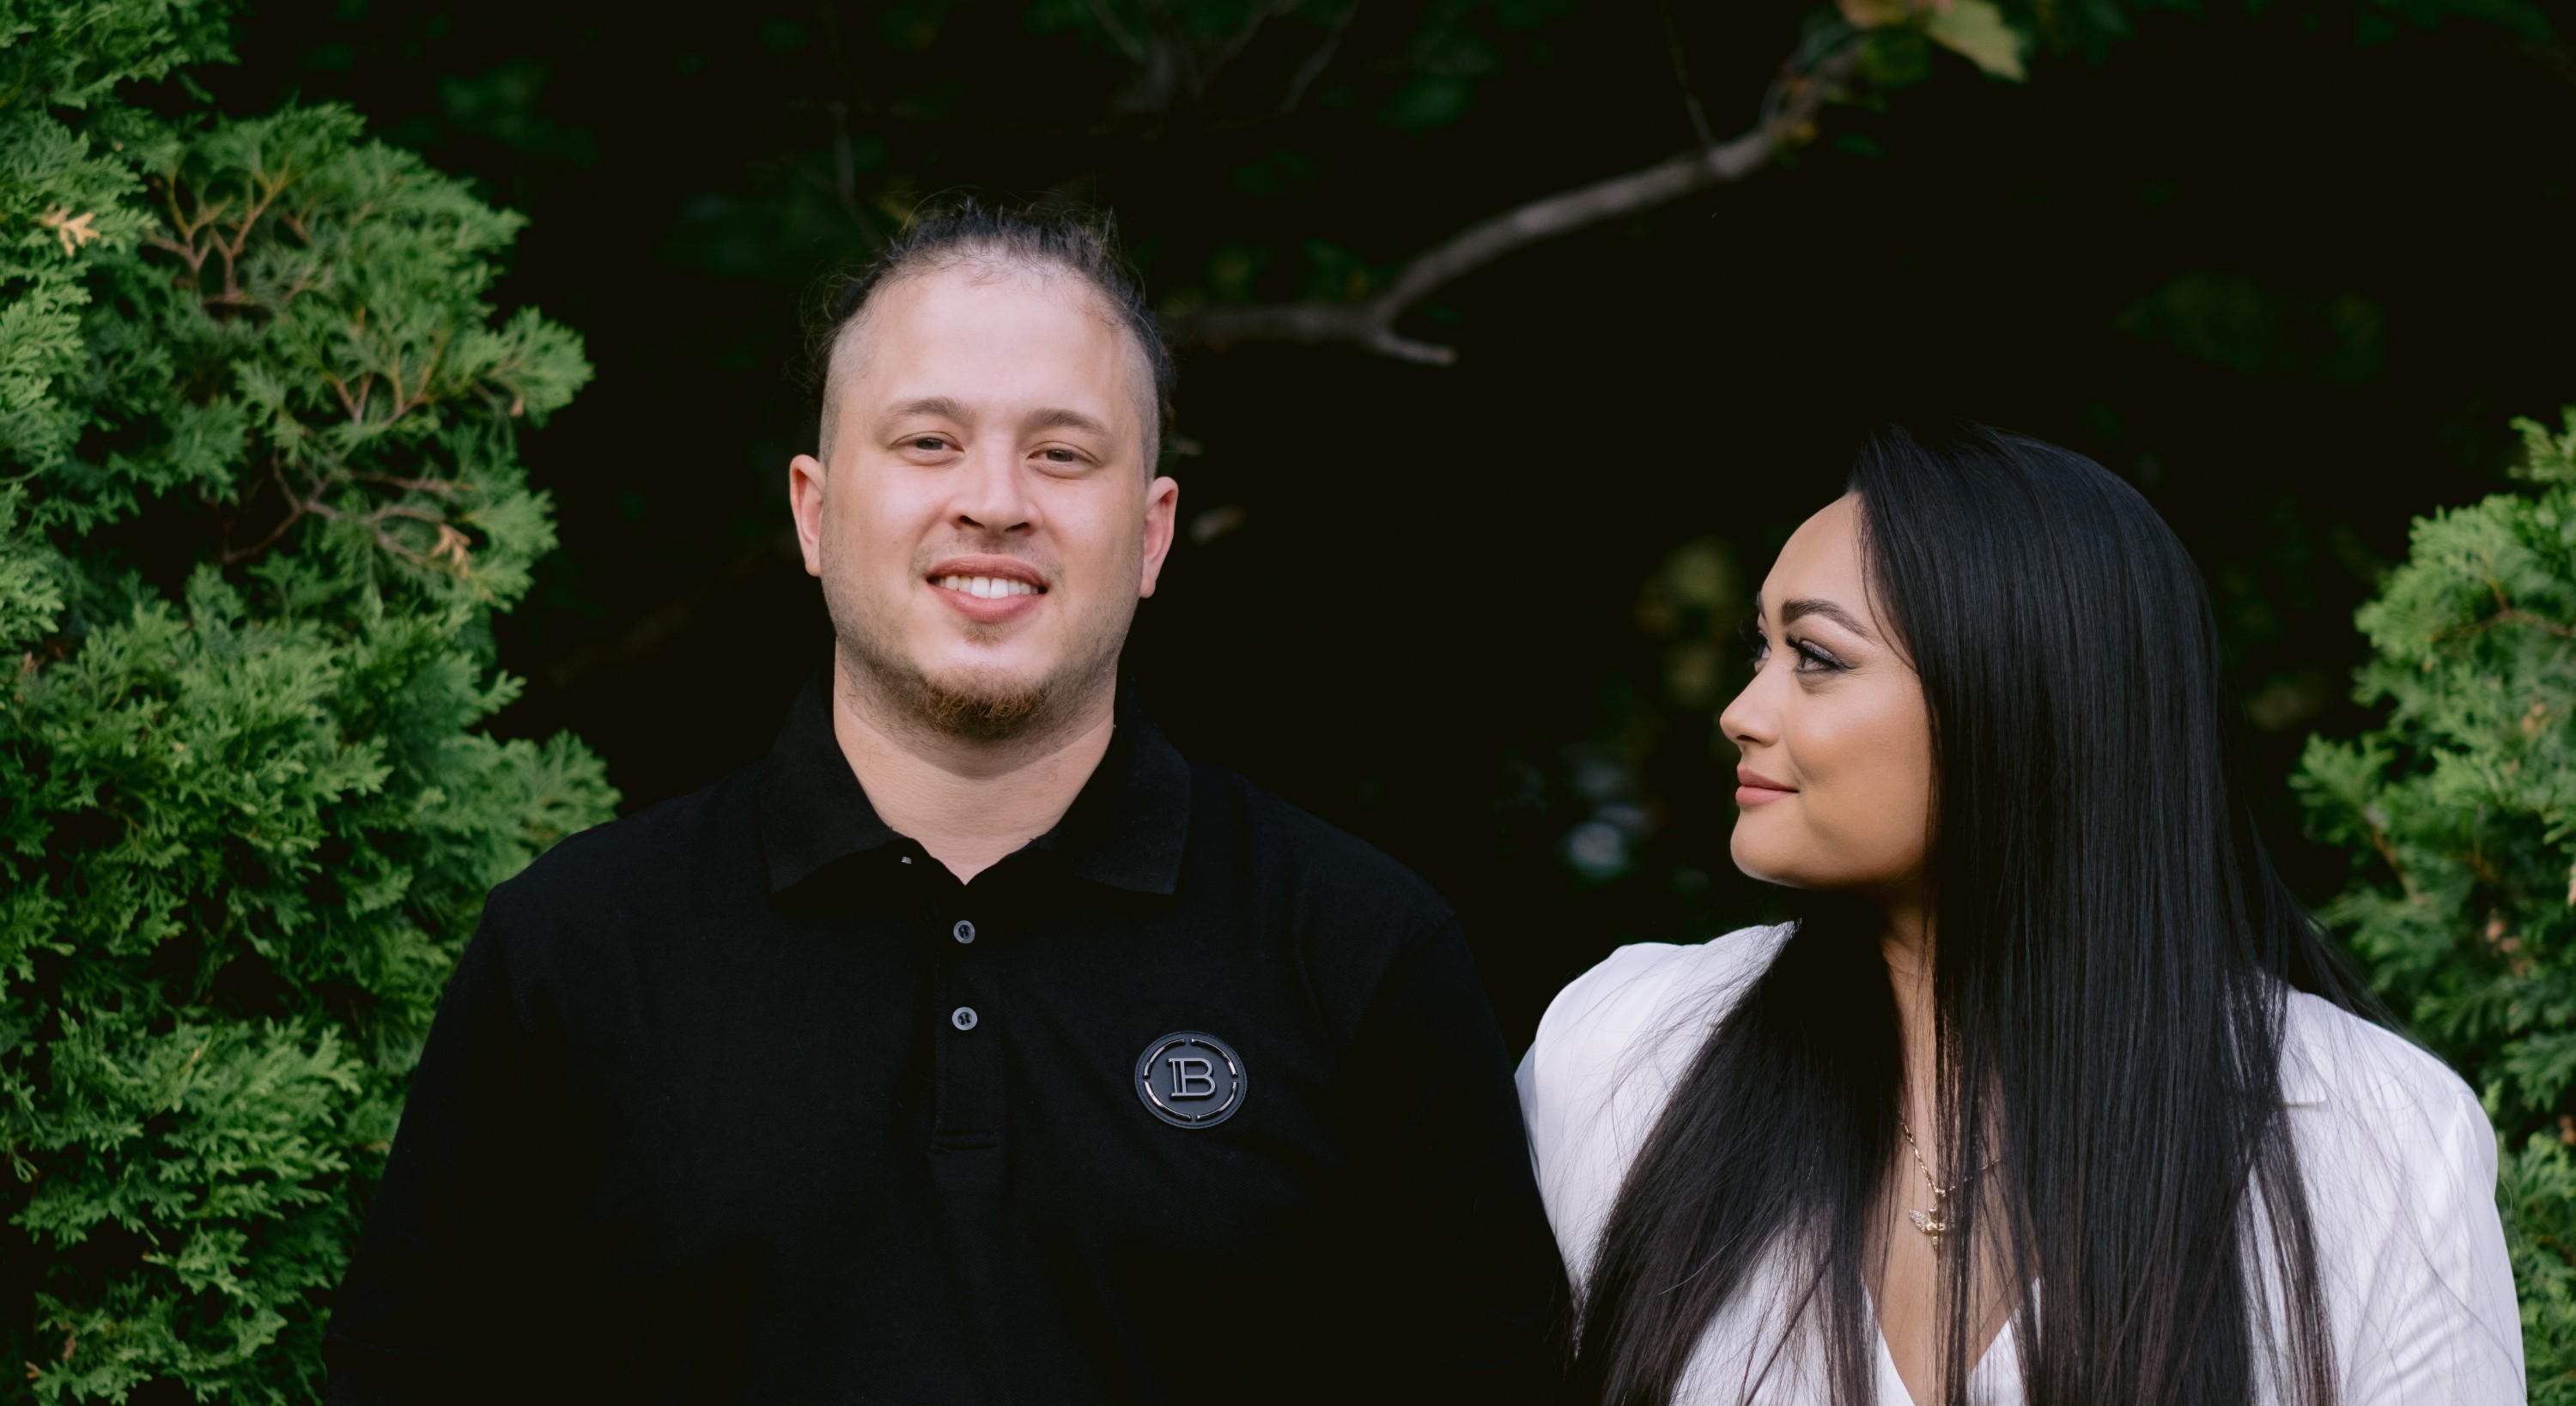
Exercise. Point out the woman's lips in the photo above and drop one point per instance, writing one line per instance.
(1754, 789)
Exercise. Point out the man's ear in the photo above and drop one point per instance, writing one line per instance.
(1162, 509)
(805, 504)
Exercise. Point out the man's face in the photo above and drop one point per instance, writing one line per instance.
(985, 526)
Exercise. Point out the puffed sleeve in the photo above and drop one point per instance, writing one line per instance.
(2444, 1319)
(1605, 1059)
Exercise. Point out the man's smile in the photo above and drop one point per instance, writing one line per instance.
(988, 589)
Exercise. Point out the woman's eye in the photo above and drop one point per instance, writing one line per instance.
(1808, 654)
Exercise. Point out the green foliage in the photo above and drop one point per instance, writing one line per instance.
(2462, 807)
(259, 500)
(1974, 29)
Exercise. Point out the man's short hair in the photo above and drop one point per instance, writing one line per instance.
(967, 231)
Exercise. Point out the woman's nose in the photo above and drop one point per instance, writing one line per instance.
(1752, 718)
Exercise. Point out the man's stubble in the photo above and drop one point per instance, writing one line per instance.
(970, 705)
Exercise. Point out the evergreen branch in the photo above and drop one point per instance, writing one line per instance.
(408, 485)
(2507, 613)
(2517, 616)
(187, 250)
(355, 404)
(296, 507)
(2388, 853)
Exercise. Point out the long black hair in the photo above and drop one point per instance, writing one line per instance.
(2112, 953)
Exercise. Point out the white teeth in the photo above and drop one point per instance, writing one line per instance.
(985, 587)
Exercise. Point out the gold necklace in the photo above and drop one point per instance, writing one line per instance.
(1935, 1222)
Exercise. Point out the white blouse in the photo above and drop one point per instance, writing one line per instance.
(2398, 1158)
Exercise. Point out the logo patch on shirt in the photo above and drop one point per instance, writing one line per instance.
(1190, 1080)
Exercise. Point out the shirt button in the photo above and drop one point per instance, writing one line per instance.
(963, 1017)
(964, 931)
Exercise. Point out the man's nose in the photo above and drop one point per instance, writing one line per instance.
(992, 490)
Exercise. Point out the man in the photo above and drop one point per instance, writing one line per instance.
(975, 1046)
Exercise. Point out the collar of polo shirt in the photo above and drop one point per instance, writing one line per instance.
(1126, 829)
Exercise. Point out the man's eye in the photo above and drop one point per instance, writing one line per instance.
(929, 443)
(1061, 456)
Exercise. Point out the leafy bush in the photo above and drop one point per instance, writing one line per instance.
(259, 501)
(2462, 809)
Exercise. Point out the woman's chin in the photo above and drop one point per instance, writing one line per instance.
(1790, 867)
(1763, 862)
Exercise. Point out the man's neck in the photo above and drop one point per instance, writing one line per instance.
(970, 802)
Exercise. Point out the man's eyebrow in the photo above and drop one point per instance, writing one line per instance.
(1791, 611)
(1057, 417)
(936, 407)
(1052, 417)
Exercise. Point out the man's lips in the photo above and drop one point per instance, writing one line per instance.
(1752, 788)
(987, 588)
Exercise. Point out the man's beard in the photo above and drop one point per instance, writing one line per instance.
(968, 707)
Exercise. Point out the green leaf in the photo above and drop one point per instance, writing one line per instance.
(1977, 29)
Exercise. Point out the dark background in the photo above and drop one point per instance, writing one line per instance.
(2288, 267)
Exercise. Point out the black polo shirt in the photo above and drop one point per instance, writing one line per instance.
(746, 1098)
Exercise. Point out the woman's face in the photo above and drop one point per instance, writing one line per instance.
(1836, 775)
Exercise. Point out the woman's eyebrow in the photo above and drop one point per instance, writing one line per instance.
(1790, 611)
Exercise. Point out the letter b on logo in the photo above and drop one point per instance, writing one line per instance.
(1192, 1077)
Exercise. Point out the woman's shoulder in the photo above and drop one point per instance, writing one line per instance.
(2366, 1072)
(1621, 1034)
(2390, 1141)
(1638, 990)
(2400, 1165)
(1608, 1053)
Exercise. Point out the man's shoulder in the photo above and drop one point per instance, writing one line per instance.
(632, 863)
(1278, 844)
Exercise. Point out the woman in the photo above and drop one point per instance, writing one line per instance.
(2052, 1094)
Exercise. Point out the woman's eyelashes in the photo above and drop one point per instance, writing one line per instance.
(1812, 658)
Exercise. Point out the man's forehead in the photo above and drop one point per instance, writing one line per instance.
(983, 335)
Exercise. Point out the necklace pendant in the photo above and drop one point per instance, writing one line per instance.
(1931, 1224)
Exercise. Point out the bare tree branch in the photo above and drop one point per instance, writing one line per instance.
(1368, 326)
(1681, 76)
(1316, 62)
(845, 169)
(1371, 325)
(1240, 40)
(1118, 33)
